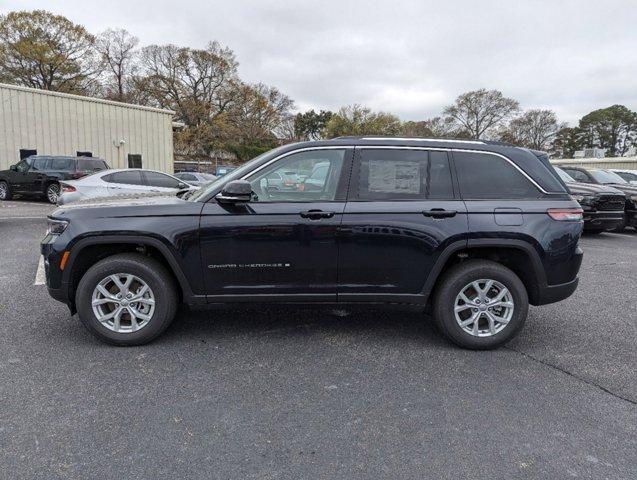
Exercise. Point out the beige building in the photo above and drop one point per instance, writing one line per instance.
(50, 123)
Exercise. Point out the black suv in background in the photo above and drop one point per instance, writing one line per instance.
(600, 176)
(476, 230)
(604, 207)
(39, 175)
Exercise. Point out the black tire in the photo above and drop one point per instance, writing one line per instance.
(455, 280)
(52, 192)
(5, 191)
(150, 271)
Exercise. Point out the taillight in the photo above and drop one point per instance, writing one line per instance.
(566, 214)
(68, 188)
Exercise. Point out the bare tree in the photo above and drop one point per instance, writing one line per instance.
(42, 50)
(479, 112)
(197, 84)
(117, 49)
(533, 129)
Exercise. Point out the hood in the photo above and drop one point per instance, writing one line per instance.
(128, 206)
(591, 189)
(627, 188)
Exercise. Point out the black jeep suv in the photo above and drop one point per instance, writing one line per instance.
(39, 175)
(476, 230)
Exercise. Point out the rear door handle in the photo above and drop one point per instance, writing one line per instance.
(316, 214)
(439, 213)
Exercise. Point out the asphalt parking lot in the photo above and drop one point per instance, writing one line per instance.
(307, 394)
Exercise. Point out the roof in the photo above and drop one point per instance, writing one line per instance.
(82, 98)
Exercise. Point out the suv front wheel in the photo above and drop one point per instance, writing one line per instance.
(126, 299)
(480, 304)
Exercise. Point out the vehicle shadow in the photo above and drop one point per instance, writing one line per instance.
(302, 322)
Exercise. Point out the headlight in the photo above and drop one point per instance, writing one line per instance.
(56, 227)
(584, 199)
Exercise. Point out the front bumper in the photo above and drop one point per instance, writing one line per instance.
(601, 220)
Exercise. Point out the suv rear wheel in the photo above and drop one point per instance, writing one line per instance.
(126, 299)
(53, 192)
(480, 304)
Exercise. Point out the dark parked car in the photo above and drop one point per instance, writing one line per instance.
(604, 207)
(600, 176)
(476, 230)
(195, 178)
(40, 175)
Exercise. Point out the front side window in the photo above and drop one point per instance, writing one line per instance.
(39, 163)
(403, 174)
(483, 176)
(578, 175)
(290, 178)
(22, 166)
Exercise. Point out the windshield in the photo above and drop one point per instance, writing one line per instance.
(604, 176)
(235, 174)
(564, 176)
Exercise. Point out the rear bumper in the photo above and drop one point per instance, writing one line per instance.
(559, 291)
(555, 293)
(603, 220)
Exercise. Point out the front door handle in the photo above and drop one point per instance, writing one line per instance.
(316, 214)
(439, 213)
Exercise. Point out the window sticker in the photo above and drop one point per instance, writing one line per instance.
(394, 177)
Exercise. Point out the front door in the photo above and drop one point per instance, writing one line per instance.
(282, 245)
(402, 213)
(23, 178)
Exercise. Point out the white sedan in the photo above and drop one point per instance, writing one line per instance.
(129, 181)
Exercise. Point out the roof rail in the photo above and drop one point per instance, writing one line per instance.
(418, 139)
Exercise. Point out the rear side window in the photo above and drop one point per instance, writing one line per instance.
(128, 177)
(62, 164)
(92, 165)
(155, 179)
(483, 176)
(403, 174)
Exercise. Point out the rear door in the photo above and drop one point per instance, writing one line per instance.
(402, 212)
(159, 182)
(126, 182)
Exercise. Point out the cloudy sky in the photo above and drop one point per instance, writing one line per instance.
(408, 57)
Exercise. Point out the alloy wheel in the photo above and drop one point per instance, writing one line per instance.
(53, 192)
(483, 308)
(123, 303)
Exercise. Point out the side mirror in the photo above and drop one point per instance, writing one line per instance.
(182, 186)
(236, 191)
(13, 168)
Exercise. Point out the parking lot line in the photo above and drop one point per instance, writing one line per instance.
(40, 279)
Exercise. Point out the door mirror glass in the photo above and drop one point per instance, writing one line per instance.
(236, 191)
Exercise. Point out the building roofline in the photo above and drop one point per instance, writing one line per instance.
(85, 99)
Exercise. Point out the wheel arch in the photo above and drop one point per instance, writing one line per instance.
(517, 255)
(88, 251)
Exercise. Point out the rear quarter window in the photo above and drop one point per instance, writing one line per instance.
(91, 165)
(484, 176)
(62, 164)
